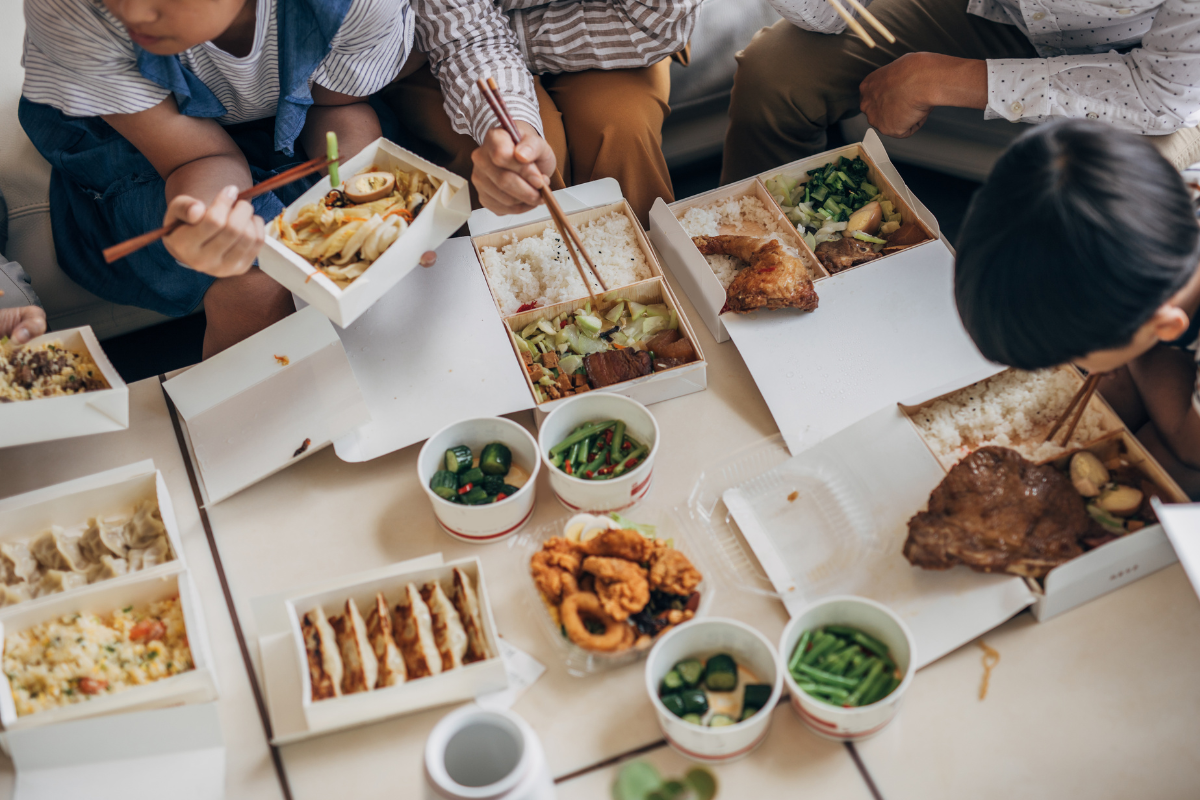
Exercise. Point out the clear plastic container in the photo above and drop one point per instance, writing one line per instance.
(805, 521)
(580, 662)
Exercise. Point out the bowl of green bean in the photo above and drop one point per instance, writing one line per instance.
(848, 661)
(599, 450)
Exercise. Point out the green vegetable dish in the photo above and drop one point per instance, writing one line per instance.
(843, 666)
(473, 481)
(822, 206)
(713, 693)
(599, 451)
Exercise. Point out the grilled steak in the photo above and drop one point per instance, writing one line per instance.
(614, 366)
(996, 512)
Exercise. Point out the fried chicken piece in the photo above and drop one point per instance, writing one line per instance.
(672, 572)
(626, 544)
(622, 586)
(556, 569)
(771, 279)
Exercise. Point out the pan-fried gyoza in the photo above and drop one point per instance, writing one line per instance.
(343, 238)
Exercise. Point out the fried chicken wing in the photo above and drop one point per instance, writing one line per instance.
(626, 544)
(622, 586)
(556, 569)
(672, 572)
(771, 279)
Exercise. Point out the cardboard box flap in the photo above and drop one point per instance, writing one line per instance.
(572, 199)
(875, 149)
(432, 354)
(896, 315)
(95, 758)
(247, 416)
(1181, 522)
(843, 532)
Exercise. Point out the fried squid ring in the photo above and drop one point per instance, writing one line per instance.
(583, 605)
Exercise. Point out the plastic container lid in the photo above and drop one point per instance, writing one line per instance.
(782, 526)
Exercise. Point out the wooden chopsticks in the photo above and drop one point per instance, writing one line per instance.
(566, 231)
(856, 26)
(1077, 406)
(297, 172)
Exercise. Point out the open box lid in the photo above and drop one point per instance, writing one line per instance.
(248, 411)
(833, 519)
(898, 318)
(181, 746)
(1181, 521)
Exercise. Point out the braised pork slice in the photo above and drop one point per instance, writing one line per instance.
(997, 512)
(842, 254)
(614, 366)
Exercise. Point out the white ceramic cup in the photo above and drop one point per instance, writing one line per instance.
(494, 521)
(600, 497)
(702, 638)
(872, 618)
(485, 754)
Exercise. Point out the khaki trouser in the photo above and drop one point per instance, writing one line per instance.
(600, 124)
(793, 84)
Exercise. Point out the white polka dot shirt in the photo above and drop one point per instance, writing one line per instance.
(1152, 88)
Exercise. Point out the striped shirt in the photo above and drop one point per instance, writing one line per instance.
(513, 40)
(79, 59)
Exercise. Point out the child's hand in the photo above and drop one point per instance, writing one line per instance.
(221, 240)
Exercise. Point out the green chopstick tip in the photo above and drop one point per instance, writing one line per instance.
(331, 152)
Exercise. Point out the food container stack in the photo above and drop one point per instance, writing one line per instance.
(634, 340)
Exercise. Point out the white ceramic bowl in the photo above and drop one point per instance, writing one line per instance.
(702, 638)
(495, 521)
(874, 619)
(600, 497)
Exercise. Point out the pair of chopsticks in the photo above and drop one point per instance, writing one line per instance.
(297, 172)
(1077, 406)
(566, 231)
(858, 28)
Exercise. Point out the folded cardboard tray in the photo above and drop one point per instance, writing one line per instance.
(50, 418)
(692, 269)
(652, 388)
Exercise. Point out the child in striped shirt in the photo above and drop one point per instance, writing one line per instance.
(157, 110)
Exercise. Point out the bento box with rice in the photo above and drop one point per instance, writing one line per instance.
(633, 339)
(109, 648)
(57, 386)
(1061, 514)
(342, 248)
(765, 243)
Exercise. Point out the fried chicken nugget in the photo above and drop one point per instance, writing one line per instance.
(672, 572)
(622, 586)
(556, 568)
(626, 544)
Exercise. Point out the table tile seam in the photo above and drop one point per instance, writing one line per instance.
(277, 760)
(608, 762)
(863, 771)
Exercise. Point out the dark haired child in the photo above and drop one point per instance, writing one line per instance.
(1083, 247)
(157, 110)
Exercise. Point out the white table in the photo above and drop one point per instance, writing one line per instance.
(1100, 702)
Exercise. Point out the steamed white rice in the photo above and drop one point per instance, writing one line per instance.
(1014, 409)
(740, 215)
(539, 269)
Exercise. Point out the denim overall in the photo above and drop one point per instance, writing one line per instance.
(103, 191)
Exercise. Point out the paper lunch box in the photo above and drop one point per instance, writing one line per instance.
(443, 214)
(692, 269)
(851, 497)
(653, 388)
(49, 418)
(295, 715)
(110, 494)
(198, 685)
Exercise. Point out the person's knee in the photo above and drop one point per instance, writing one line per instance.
(778, 77)
(252, 296)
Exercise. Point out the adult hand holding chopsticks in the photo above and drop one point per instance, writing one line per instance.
(509, 177)
(221, 238)
(898, 97)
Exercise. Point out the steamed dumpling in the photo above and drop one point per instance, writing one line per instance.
(55, 581)
(15, 593)
(108, 567)
(146, 525)
(158, 552)
(102, 539)
(17, 563)
(55, 551)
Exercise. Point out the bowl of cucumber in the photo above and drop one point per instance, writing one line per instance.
(714, 683)
(481, 477)
(847, 661)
